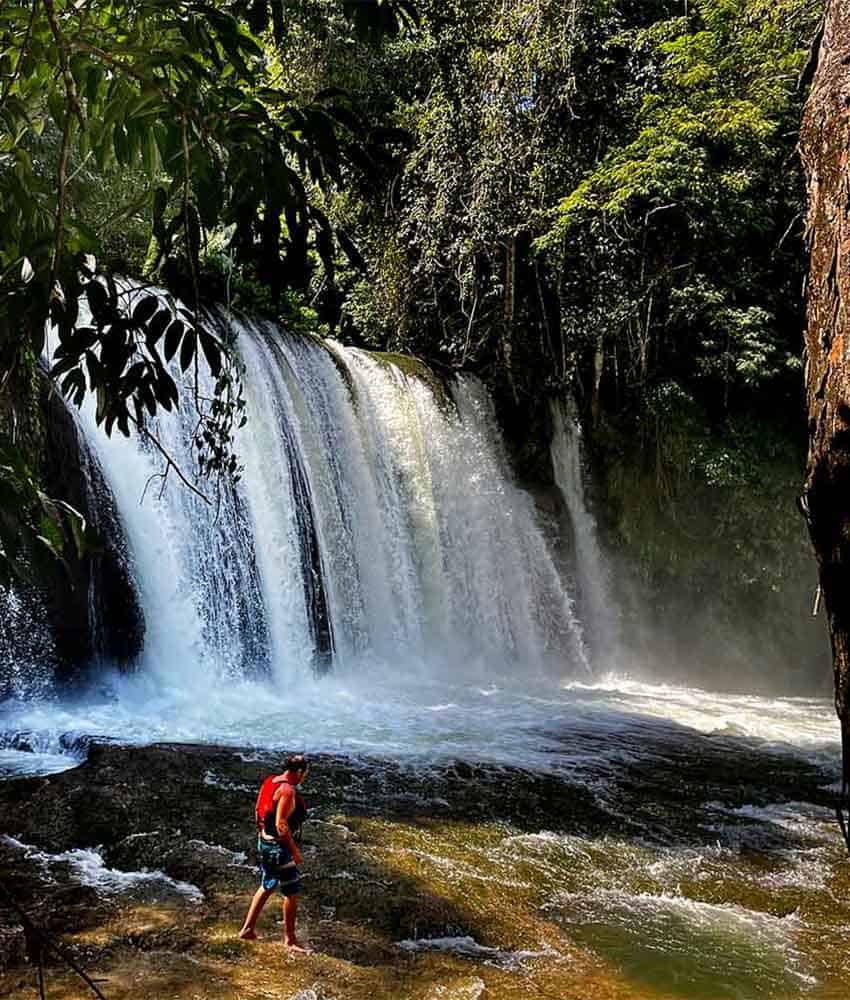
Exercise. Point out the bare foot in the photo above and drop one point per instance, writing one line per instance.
(296, 948)
(247, 934)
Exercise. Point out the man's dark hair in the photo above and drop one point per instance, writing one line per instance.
(297, 762)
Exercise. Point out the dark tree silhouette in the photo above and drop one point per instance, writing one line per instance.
(825, 149)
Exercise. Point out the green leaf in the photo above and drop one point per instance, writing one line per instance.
(51, 535)
(157, 326)
(160, 203)
(165, 390)
(81, 238)
(77, 525)
(187, 349)
(56, 106)
(212, 352)
(121, 144)
(93, 81)
(173, 336)
(150, 153)
(98, 298)
(64, 365)
(145, 309)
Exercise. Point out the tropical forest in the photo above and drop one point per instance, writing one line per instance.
(424, 499)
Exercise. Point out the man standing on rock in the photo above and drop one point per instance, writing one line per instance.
(278, 812)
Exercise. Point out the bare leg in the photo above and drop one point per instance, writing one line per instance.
(260, 899)
(290, 911)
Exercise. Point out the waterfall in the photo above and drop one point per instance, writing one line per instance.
(376, 518)
(192, 561)
(114, 622)
(592, 581)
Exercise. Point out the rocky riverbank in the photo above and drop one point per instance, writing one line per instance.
(453, 882)
(184, 812)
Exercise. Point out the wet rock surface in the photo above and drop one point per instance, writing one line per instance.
(165, 836)
(92, 604)
(195, 792)
(141, 861)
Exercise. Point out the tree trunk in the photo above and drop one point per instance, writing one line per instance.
(825, 149)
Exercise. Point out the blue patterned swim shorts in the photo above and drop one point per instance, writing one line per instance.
(277, 869)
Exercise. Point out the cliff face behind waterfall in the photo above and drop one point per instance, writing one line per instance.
(704, 571)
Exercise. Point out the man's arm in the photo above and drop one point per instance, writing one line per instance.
(285, 808)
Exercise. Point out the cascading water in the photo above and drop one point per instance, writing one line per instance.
(192, 561)
(375, 519)
(114, 623)
(376, 529)
(61, 615)
(594, 593)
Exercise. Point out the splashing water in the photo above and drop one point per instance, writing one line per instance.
(375, 518)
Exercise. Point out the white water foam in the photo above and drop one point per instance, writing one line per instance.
(467, 947)
(88, 868)
(732, 943)
(20, 763)
(729, 917)
(796, 817)
(386, 709)
(230, 786)
(800, 722)
(799, 837)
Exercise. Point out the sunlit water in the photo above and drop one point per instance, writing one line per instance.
(584, 730)
(745, 899)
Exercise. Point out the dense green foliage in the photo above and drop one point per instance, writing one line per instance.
(594, 178)
(164, 120)
(591, 196)
(593, 189)
(705, 202)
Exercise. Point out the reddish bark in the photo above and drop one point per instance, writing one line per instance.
(825, 149)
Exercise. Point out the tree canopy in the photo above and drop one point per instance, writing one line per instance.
(595, 195)
(169, 121)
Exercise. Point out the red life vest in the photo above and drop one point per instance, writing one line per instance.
(267, 804)
(266, 807)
